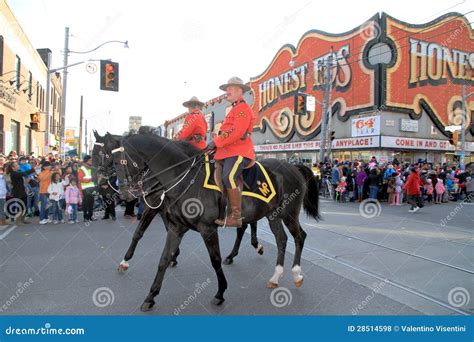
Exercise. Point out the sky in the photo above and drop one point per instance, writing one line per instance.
(180, 49)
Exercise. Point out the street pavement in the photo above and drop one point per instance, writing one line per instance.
(369, 259)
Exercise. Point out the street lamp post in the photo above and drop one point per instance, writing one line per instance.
(65, 67)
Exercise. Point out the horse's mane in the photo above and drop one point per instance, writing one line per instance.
(181, 145)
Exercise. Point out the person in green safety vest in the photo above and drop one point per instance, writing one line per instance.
(87, 186)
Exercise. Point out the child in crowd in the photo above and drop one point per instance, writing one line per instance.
(56, 196)
(73, 199)
(391, 190)
(429, 190)
(341, 189)
(397, 200)
(440, 189)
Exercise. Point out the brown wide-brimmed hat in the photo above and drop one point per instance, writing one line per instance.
(235, 81)
(193, 102)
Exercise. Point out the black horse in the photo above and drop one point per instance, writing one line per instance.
(145, 162)
(103, 168)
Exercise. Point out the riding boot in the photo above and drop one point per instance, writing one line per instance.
(222, 208)
(235, 201)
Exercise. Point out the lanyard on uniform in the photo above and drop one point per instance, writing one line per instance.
(235, 103)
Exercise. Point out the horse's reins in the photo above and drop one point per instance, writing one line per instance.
(180, 177)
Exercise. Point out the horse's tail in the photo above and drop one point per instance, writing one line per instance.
(311, 198)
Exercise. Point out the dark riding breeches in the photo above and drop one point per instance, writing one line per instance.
(232, 170)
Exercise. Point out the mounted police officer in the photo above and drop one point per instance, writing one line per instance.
(195, 126)
(234, 147)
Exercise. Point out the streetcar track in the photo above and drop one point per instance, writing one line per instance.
(381, 278)
(394, 249)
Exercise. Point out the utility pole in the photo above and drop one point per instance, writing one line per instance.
(329, 107)
(48, 94)
(85, 137)
(79, 148)
(64, 90)
(324, 113)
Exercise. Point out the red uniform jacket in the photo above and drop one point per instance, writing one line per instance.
(232, 139)
(194, 125)
(412, 186)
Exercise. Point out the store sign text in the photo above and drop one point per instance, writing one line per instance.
(417, 144)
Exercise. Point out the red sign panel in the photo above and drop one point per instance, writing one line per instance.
(301, 69)
(431, 63)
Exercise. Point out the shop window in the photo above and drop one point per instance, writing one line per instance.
(15, 128)
(27, 140)
(17, 72)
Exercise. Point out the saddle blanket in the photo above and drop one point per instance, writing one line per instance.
(257, 183)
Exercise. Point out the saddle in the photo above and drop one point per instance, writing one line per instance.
(218, 175)
(254, 181)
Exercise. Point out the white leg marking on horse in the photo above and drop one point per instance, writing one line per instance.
(296, 270)
(124, 264)
(259, 247)
(277, 275)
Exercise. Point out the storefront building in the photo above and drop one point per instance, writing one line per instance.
(23, 71)
(395, 88)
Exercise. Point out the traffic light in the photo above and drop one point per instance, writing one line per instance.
(332, 135)
(34, 121)
(109, 76)
(300, 104)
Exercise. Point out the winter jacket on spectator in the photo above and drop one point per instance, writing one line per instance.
(56, 191)
(45, 180)
(398, 184)
(18, 184)
(412, 186)
(73, 195)
(360, 178)
(3, 187)
(440, 188)
(335, 176)
(374, 179)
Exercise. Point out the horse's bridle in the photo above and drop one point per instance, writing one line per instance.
(143, 172)
(101, 168)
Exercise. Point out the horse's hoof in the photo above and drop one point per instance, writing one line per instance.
(173, 263)
(217, 301)
(260, 249)
(123, 267)
(271, 285)
(228, 261)
(299, 283)
(147, 306)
